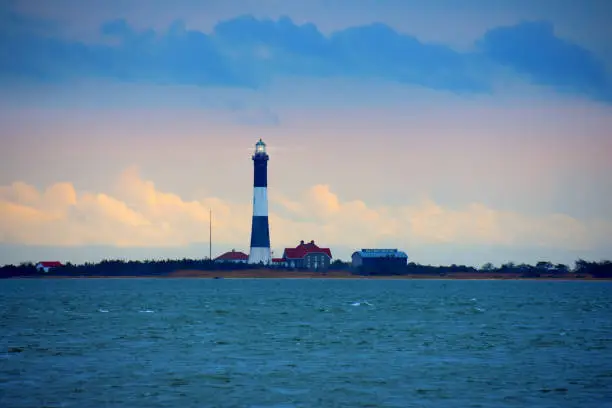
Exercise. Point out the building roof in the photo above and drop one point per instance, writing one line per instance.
(50, 264)
(303, 249)
(381, 253)
(232, 255)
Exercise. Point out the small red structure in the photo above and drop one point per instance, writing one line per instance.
(233, 256)
(307, 255)
(46, 266)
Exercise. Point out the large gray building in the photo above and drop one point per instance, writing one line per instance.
(379, 262)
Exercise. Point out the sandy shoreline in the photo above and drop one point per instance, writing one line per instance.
(267, 274)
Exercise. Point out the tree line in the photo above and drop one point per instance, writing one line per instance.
(147, 267)
(581, 268)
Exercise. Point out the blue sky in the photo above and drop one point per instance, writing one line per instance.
(459, 132)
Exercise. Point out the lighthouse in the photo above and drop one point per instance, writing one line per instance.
(260, 231)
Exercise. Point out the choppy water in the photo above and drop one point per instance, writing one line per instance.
(304, 343)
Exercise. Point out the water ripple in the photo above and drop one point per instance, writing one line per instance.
(285, 343)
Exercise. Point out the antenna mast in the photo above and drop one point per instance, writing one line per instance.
(210, 235)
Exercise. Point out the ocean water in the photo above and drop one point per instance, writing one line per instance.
(304, 343)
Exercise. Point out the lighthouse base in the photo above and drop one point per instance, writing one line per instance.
(260, 255)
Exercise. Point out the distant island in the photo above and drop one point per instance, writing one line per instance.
(582, 270)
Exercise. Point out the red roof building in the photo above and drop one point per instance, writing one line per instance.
(308, 256)
(46, 266)
(233, 256)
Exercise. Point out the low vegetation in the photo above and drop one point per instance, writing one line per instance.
(118, 268)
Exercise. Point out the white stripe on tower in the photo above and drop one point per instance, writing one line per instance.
(260, 202)
(260, 255)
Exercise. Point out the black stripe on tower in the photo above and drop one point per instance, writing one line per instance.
(261, 170)
(260, 232)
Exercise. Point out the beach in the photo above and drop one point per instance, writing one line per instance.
(285, 274)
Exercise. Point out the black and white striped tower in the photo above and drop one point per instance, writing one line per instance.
(260, 231)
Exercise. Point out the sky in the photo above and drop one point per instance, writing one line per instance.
(459, 132)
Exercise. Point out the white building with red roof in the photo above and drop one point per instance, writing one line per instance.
(307, 256)
(46, 266)
(233, 256)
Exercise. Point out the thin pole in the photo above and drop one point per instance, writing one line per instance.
(210, 235)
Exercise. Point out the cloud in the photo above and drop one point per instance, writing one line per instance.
(532, 48)
(136, 214)
(357, 224)
(250, 52)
